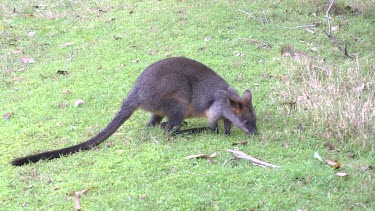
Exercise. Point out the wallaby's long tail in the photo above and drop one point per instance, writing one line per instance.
(127, 109)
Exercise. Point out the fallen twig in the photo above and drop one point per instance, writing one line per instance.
(156, 141)
(333, 39)
(206, 156)
(261, 19)
(77, 194)
(257, 43)
(209, 157)
(255, 161)
(329, 19)
(315, 24)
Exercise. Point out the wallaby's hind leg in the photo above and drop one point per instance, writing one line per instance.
(154, 120)
(175, 119)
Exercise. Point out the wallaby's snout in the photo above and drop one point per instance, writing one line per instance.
(253, 131)
(250, 127)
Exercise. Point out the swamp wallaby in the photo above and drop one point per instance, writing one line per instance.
(176, 88)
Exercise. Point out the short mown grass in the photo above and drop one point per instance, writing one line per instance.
(309, 98)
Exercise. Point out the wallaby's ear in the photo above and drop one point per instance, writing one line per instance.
(247, 97)
(232, 93)
(236, 105)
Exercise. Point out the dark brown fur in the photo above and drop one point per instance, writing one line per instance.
(176, 88)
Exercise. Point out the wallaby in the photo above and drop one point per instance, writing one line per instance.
(176, 88)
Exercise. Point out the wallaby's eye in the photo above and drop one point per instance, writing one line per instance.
(246, 122)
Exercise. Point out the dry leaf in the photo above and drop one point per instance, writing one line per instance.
(212, 161)
(63, 104)
(66, 44)
(239, 54)
(16, 78)
(7, 115)
(341, 174)
(62, 72)
(334, 164)
(206, 156)
(207, 39)
(330, 146)
(66, 91)
(31, 34)
(151, 53)
(78, 103)
(17, 52)
(303, 97)
(330, 162)
(142, 197)
(27, 60)
(286, 144)
(317, 156)
(335, 28)
(25, 204)
(136, 60)
(240, 143)
(359, 88)
(41, 6)
(351, 154)
(366, 168)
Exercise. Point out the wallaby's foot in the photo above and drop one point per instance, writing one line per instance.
(174, 130)
(227, 126)
(214, 130)
(154, 120)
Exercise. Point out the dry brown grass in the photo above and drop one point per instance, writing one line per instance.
(337, 101)
(78, 10)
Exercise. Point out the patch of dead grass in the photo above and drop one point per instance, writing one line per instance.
(79, 10)
(337, 100)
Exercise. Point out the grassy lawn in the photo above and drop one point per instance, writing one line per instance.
(309, 96)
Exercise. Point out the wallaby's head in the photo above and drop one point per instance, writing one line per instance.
(245, 113)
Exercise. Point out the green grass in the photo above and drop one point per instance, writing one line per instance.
(143, 169)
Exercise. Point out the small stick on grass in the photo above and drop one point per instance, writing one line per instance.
(315, 24)
(333, 39)
(255, 161)
(329, 19)
(260, 20)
